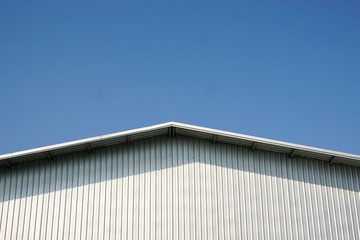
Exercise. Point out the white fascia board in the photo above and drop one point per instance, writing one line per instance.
(267, 141)
(215, 132)
(82, 141)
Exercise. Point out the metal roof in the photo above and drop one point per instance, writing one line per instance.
(174, 128)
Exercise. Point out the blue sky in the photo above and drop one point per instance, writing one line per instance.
(285, 70)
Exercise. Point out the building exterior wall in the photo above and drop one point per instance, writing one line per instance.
(179, 188)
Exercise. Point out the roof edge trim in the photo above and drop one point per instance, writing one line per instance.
(236, 136)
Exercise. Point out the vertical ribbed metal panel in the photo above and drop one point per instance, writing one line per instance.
(179, 188)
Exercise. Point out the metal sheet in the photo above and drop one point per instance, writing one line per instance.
(179, 188)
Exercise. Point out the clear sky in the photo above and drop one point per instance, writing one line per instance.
(285, 70)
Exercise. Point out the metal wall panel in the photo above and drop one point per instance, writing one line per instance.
(179, 188)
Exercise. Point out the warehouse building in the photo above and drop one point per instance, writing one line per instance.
(178, 181)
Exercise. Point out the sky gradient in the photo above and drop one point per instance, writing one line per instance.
(283, 70)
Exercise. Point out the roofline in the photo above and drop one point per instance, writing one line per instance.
(269, 141)
(83, 141)
(256, 142)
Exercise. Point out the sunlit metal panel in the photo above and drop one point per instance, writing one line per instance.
(179, 188)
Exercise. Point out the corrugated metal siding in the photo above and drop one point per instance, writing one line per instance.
(179, 188)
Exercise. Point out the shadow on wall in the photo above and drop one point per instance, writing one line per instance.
(159, 153)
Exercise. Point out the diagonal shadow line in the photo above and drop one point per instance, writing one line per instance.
(161, 153)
